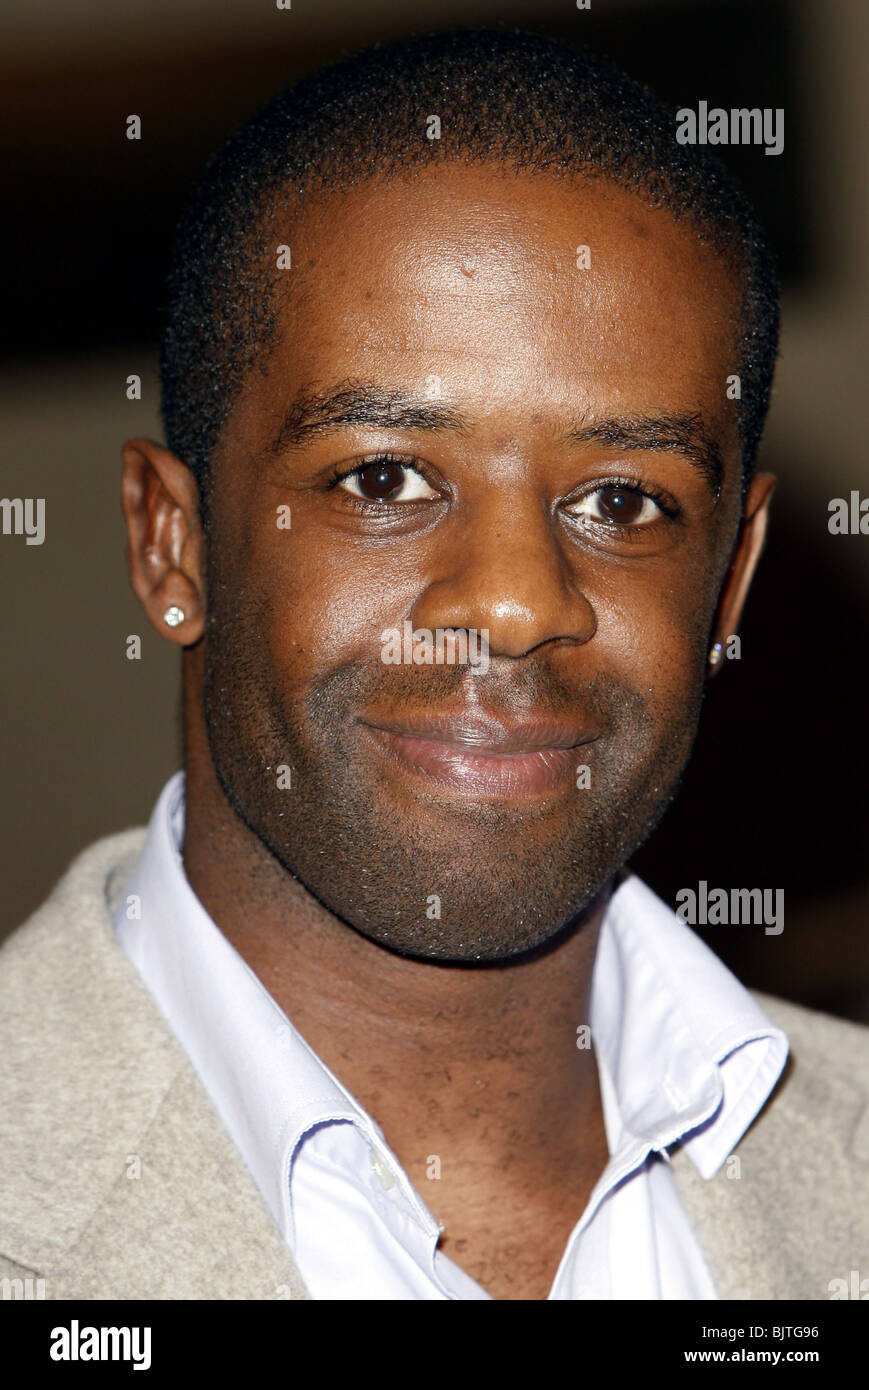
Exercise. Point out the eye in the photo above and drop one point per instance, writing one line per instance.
(618, 504)
(386, 480)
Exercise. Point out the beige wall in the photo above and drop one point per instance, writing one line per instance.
(87, 736)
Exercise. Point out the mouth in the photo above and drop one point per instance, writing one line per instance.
(480, 756)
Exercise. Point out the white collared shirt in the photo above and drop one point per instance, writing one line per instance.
(684, 1054)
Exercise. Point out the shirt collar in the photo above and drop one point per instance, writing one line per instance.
(270, 1087)
(684, 1052)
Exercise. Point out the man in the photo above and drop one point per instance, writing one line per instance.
(460, 343)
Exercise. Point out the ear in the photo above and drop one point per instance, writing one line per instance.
(165, 540)
(743, 562)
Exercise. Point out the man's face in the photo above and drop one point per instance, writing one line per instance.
(551, 429)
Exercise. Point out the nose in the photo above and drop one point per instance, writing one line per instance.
(506, 570)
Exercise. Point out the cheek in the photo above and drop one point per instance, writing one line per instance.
(327, 601)
(653, 634)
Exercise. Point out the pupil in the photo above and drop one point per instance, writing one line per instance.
(621, 505)
(382, 480)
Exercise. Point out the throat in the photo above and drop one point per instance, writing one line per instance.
(511, 1236)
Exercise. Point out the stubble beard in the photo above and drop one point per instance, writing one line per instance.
(451, 881)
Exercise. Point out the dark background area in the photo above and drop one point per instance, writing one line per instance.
(126, 196)
(775, 794)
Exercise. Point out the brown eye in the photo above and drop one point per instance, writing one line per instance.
(384, 480)
(381, 481)
(616, 504)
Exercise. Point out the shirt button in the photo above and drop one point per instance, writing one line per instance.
(384, 1175)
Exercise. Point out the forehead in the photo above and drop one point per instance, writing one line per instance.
(501, 287)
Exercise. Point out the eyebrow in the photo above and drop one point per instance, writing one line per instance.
(685, 434)
(314, 413)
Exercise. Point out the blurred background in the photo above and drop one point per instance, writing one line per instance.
(775, 796)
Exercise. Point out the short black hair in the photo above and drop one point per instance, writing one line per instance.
(503, 95)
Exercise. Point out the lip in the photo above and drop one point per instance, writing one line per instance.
(480, 755)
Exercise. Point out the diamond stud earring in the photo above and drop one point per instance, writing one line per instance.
(715, 654)
(174, 616)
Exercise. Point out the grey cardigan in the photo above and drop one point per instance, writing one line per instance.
(119, 1181)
